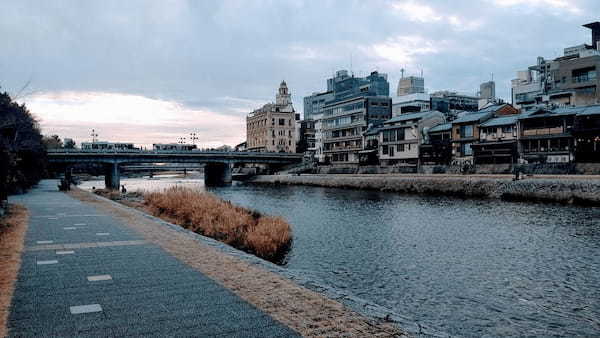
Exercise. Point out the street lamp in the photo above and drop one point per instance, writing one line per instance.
(194, 138)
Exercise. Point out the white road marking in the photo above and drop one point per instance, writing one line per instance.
(85, 308)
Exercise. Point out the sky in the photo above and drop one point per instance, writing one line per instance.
(146, 71)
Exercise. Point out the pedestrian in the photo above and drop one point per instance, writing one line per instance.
(123, 190)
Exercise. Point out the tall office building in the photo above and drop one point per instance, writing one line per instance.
(411, 85)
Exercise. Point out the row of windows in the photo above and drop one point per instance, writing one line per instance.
(393, 135)
(343, 120)
(343, 133)
(281, 133)
(492, 130)
(262, 123)
(341, 109)
(342, 145)
(399, 148)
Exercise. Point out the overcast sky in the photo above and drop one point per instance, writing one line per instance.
(154, 71)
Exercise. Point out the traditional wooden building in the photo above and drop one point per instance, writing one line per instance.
(497, 141)
(545, 136)
(437, 149)
(586, 131)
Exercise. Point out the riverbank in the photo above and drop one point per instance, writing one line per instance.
(12, 233)
(305, 311)
(204, 213)
(580, 191)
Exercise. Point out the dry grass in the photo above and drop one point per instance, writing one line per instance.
(12, 234)
(265, 236)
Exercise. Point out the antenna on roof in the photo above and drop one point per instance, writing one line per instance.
(402, 73)
(492, 77)
(421, 72)
(351, 70)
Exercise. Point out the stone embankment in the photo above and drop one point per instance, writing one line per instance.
(581, 191)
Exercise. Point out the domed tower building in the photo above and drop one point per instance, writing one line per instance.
(272, 127)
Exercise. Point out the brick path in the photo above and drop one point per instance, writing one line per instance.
(84, 273)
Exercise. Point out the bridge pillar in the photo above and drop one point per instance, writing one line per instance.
(217, 174)
(112, 177)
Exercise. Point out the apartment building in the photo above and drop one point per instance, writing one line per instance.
(344, 123)
(569, 80)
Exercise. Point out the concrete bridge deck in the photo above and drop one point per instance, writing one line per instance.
(217, 171)
(84, 273)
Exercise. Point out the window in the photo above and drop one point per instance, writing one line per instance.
(384, 150)
(400, 148)
(466, 149)
(391, 149)
(400, 134)
(272, 122)
(282, 122)
(466, 131)
(389, 135)
(584, 74)
(507, 129)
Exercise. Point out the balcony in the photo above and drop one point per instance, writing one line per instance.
(543, 131)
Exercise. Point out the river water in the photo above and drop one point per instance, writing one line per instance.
(464, 267)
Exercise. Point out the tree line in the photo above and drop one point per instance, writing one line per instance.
(22, 151)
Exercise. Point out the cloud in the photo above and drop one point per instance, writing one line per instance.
(402, 50)
(417, 12)
(131, 118)
(569, 6)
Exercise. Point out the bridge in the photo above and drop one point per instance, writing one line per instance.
(217, 165)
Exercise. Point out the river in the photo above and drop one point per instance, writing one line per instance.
(464, 267)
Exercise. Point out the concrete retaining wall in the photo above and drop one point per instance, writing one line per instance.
(568, 191)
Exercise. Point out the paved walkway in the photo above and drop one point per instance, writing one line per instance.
(85, 274)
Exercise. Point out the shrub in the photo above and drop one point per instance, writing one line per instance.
(265, 236)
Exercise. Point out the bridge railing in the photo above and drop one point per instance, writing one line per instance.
(174, 152)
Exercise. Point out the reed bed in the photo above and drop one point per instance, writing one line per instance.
(264, 236)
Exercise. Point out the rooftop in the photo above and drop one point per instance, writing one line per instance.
(502, 121)
(473, 117)
(441, 127)
(411, 116)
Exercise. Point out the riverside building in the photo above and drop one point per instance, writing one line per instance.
(272, 128)
(343, 112)
(570, 80)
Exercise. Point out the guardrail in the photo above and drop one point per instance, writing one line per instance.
(174, 152)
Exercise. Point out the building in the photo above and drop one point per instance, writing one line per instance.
(370, 153)
(313, 104)
(437, 149)
(318, 147)
(497, 141)
(487, 93)
(272, 128)
(545, 136)
(570, 80)
(411, 85)
(586, 131)
(306, 137)
(345, 121)
(340, 88)
(411, 103)
(401, 136)
(465, 131)
(451, 103)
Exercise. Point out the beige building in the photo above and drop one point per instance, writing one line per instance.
(272, 128)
